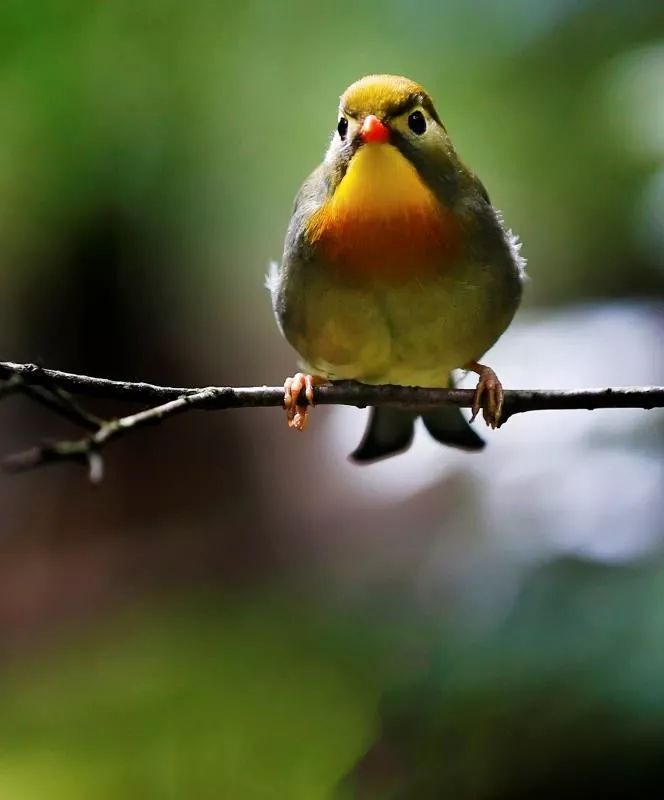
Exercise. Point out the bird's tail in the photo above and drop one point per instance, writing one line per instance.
(449, 426)
(391, 430)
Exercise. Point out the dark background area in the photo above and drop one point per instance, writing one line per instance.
(212, 623)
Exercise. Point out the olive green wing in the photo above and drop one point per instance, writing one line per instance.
(283, 278)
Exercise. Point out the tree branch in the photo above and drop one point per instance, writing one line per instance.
(168, 401)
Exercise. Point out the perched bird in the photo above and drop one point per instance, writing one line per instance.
(396, 268)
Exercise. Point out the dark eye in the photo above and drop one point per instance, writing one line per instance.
(417, 123)
(342, 127)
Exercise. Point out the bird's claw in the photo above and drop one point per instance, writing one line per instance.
(488, 396)
(297, 413)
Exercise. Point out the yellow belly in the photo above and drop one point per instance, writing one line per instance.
(414, 332)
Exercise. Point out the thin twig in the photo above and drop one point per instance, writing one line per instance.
(340, 393)
(86, 449)
(52, 397)
(58, 401)
(84, 385)
(176, 400)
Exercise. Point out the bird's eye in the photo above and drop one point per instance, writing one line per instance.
(417, 123)
(342, 127)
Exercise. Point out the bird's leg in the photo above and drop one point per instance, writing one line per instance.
(297, 412)
(488, 395)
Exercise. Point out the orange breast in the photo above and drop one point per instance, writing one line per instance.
(395, 248)
(383, 222)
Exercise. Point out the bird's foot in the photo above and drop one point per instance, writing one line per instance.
(297, 412)
(488, 395)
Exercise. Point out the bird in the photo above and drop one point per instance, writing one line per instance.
(396, 269)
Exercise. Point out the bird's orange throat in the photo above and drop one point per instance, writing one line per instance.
(383, 221)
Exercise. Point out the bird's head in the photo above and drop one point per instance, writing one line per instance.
(388, 110)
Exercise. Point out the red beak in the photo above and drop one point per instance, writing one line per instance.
(373, 130)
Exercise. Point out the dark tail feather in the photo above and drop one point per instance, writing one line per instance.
(448, 425)
(390, 430)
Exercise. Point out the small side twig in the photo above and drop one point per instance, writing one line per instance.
(50, 395)
(64, 405)
(86, 449)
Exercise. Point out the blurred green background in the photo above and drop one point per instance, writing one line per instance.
(208, 624)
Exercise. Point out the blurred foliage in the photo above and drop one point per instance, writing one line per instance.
(273, 697)
(560, 700)
(205, 698)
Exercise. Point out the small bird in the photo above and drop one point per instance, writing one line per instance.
(396, 268)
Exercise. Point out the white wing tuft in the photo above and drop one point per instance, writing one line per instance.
(514, 244)
(272, 278)
(272, 283)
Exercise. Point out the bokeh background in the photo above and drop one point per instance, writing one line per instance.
(237, 611)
